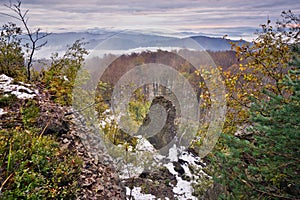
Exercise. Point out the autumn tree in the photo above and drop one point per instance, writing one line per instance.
(263, 64)
(263, 162)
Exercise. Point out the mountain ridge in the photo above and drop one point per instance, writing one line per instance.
(124, 41)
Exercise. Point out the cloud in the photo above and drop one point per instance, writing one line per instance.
(179, 15)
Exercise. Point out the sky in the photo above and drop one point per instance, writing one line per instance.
(235, 18)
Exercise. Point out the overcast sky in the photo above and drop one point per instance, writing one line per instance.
(236, 18)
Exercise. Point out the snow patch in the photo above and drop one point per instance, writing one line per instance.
(183, 189)
(144, 145)
(20, 91)
(187, 170)
(189, 158)
(5, 79)
(137, 195)
(2, 112)
(171, 169)
(129, 170)
(173, 156)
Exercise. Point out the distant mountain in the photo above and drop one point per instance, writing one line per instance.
(122, 41)
(215, 44)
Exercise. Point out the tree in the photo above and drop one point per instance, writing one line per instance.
(277, 123)
(60, 76)
(264, 163)
(11, 55)
(263, 64)
(34, 36)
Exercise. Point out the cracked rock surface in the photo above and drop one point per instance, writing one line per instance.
(98, 178)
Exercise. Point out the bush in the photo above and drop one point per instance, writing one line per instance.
(11, 55)
(7, 100)
(35, 167)
(60, 76)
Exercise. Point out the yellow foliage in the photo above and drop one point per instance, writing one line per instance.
(264, 66)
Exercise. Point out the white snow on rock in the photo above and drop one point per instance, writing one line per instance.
(137, 195)
(173, 153)
(5, 79)
(183, 189)
(171, 169)
(129, 170)
(143, 150)
(21, 90)
(144, 145)
(189, 158)
(2, 112)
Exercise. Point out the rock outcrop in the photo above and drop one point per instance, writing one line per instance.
(98, 180)
(168, 132)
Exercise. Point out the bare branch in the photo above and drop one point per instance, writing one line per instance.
(34, 37)
(41, 45)
(24, 15)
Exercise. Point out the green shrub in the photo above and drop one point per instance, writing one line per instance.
(29, 113)
(60, 76)
(11, 55)
(37, 168)
(33, 166)
(7, 100)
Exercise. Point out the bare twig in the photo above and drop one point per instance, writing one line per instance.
(34, 36)
(2, 185)
(44, 129)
